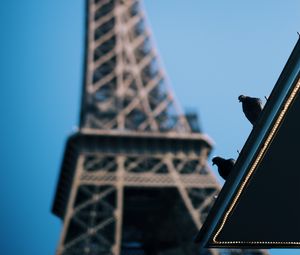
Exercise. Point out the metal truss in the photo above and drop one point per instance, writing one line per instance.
(125, 90)
(92, 224)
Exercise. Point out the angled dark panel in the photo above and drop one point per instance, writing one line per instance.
(259, 205)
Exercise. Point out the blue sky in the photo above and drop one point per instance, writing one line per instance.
(212, 51)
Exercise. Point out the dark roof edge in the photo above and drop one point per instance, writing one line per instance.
(285, 82)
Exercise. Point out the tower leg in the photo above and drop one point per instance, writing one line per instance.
(93, 220)
(119, 208)
(70, 206)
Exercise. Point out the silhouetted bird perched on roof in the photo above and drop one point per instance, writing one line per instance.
(252, 107)
(224, 166)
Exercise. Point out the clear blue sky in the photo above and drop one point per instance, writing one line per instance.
(212, 51)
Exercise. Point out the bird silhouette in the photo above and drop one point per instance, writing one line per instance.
(224, 166)
(252, 107)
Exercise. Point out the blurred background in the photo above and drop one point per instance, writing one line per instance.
(212, 52)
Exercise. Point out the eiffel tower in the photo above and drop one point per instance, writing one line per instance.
(134, 177)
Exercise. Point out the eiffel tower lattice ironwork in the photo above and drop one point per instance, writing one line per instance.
(134, 178)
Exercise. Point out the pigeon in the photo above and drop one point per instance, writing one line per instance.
(252, 107)
(224, 166)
